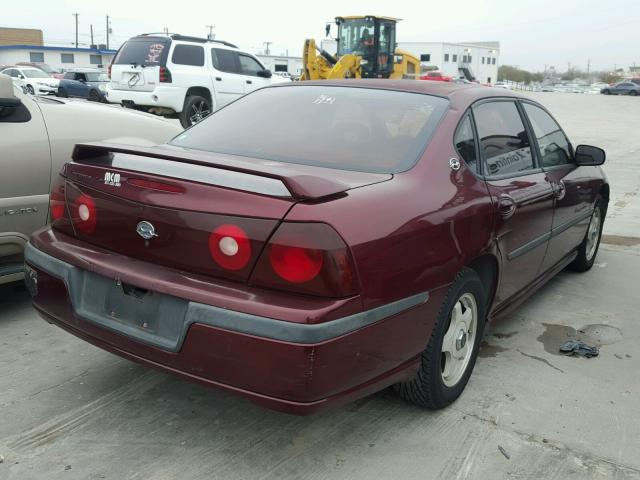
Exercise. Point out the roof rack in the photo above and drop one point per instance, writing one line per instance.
(177, 36)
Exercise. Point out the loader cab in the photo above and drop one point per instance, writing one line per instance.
(371, 38)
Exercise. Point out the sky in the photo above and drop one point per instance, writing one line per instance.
(532, 34)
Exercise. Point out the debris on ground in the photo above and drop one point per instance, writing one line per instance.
(504, 452)
(1, 459)
(68, 467)
(578, 348)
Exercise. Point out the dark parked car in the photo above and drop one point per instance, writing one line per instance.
(622, 88)
(359, 239)
(91, 85)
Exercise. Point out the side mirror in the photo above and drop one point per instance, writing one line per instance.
(266, 73)
(8, 98)
(589, 156)
(20, 76)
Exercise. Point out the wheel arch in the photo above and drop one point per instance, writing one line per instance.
(202, 92)
(488, 268)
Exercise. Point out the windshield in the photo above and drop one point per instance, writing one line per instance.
(35, 73)
(148, 51)
(97, 77)
(356, 37)
(347, 128)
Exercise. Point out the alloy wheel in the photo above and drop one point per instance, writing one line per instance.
(199, 111)
(593, 233)
(459, 341)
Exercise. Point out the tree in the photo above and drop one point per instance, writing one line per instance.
(609, 77)
(508, 72)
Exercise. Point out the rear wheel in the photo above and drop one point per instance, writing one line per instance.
(633, 93)
(62, 93)
(451, 353)
(588, 249)
(606, 92)
(196, 108)
(94, 96)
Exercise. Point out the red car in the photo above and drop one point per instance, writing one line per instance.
(436, 76)
(358, 239)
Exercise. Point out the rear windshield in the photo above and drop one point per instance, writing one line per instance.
(348, 128)
(148, 51)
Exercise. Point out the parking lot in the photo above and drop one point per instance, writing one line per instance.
(69, 410)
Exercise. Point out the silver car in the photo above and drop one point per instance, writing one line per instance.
(37, 136)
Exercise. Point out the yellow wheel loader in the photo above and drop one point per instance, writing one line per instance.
(366, 49)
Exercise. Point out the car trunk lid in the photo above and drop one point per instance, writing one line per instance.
(175, 208)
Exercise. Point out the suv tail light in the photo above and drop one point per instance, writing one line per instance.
(307, 258)
(109, 70)
(165, 75)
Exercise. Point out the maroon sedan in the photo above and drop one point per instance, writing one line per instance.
(315, 242)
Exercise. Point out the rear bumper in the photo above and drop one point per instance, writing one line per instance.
(160, 97)
(288, 366)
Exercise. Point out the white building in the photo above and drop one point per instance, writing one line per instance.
(282, 63)
(64, 58)
(471, 60)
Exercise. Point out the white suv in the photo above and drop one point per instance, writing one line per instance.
(171, 74)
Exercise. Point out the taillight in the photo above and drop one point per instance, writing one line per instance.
(165, 75)
(109, 71)
(230, 247)
(308, 258)
(56, 201)
(84, 214)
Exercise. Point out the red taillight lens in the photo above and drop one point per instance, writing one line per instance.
(84, 214)
(295, 264)
(230, 247)
(109, 73)
(307, 258)
(161, 186)
(56, 202)
(165, 75)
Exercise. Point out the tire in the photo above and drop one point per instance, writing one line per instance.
(30, 90)
(633, 93)
(606, 92)
(433, 387)
(94, 96)
(588, 249)
(62, 93)
(195, 109)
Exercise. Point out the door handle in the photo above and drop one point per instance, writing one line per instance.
(506, 206)
(218, 79)
(249, 81)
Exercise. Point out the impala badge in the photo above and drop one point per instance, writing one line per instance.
(146, 230)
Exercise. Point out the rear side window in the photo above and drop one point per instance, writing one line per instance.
(554, 146)
(465, 144)
(347, 128)
(249, 65)
(188, 55)
(225, 60)
(148, 51)
(504, 142)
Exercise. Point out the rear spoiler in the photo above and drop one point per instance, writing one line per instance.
(300, 180)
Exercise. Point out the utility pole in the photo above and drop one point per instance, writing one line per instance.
(588, 66)
(91, 27)
(166, 30)
(108, 28)
(210, 35)
(266, 50)
(76, 15)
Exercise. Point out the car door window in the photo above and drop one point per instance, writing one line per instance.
(249, 65)
(504, 143)
(188, 55)
(554, 146)
(225, 60)
(465, 143)
(81, 77)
